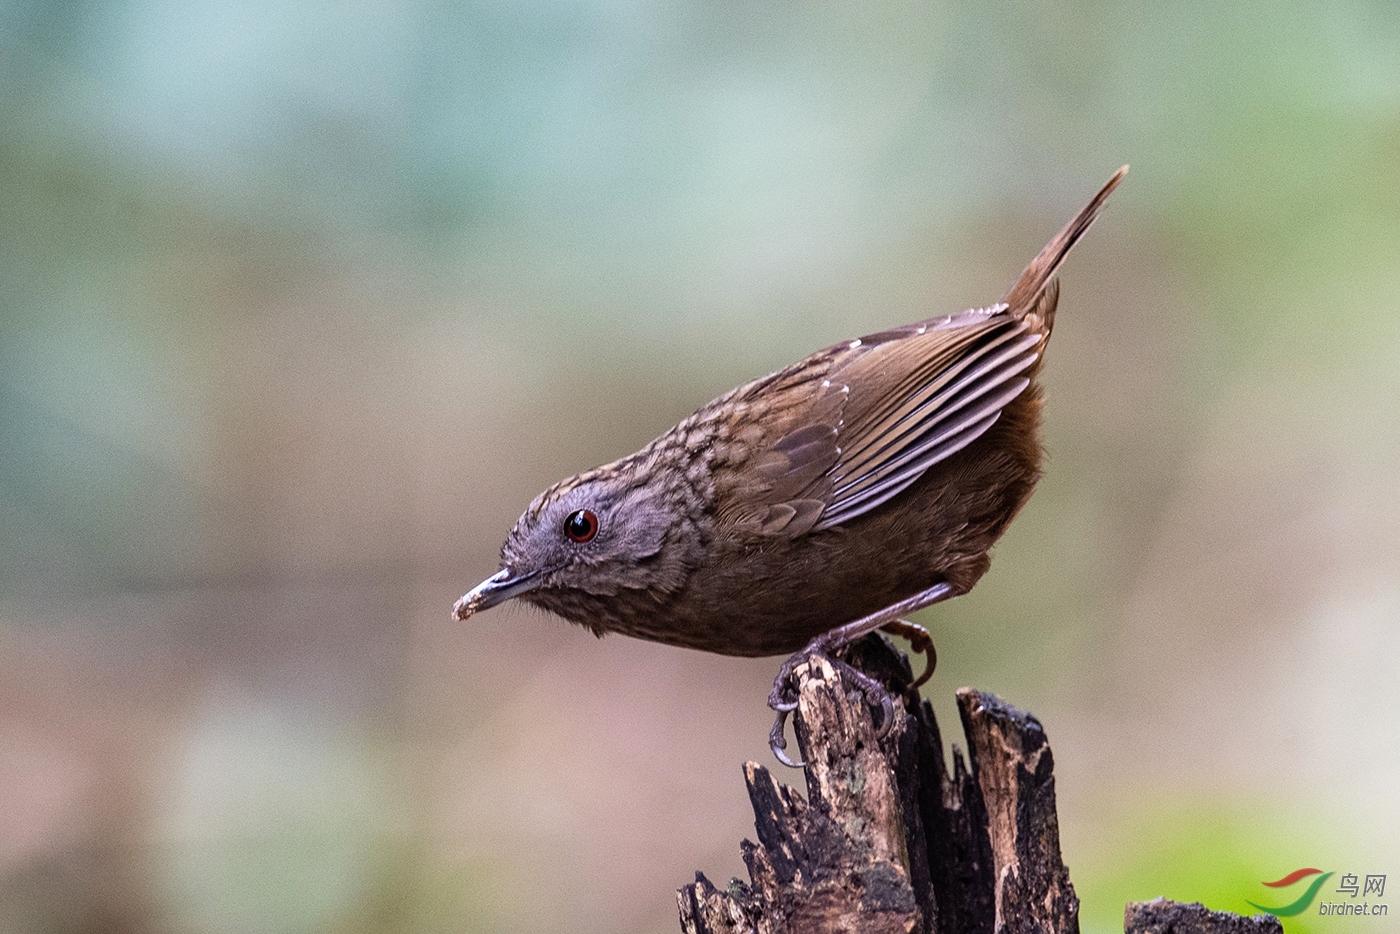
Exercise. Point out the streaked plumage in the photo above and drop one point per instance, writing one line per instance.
(870, 471)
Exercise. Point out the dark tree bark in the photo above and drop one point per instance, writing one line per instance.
(889, 839)
(1161, 916)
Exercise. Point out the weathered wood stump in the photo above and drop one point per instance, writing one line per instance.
(1161, 916)
(888, 840)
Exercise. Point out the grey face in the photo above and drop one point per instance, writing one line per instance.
(596, 536)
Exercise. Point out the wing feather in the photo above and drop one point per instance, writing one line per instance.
(949, 386)
(996, 359)
(850, 508)
(873, 415)
(877, 412)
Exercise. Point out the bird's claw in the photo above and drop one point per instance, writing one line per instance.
(873, 691)
(920, 642)
(930, 663)
(778, 742)
(783, 699)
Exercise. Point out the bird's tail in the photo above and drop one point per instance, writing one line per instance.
(1034, 294)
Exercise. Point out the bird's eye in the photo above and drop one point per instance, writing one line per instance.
(581, 526)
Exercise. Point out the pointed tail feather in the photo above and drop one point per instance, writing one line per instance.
(1031, 293)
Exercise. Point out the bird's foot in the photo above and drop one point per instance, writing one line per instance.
(919, 641)
(783, 697)
(778, 742)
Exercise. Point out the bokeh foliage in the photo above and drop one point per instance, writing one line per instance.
(299, 304)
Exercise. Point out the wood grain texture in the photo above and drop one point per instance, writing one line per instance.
(889, 838)
(1015, 773)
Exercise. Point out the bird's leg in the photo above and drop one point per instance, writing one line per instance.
(784, 694)
(920, 641)
(783, 697)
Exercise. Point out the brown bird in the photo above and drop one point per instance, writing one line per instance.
(807, 508)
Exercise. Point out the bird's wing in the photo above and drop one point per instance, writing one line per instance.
(846, 429)
(772, 445)
(837, 434)
(920, 394)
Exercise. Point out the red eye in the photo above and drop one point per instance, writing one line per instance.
(581, 526)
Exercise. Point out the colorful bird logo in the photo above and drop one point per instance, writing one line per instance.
(1304, 900)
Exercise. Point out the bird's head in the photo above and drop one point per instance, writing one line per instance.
(617, 527)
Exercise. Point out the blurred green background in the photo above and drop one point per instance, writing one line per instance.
(300, 304)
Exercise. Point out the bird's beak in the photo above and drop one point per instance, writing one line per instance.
(498, 588)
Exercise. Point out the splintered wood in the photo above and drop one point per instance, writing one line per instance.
(889, 840)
